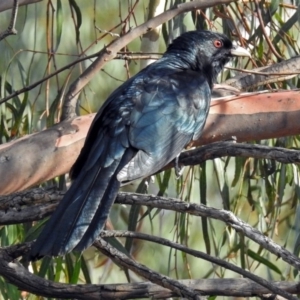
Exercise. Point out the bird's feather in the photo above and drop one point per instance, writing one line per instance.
(142, 126)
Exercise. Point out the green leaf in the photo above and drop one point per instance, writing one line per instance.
(35, 231)
(69, 265)
(134, 214)
(164, 183)
(45, 266)
(117, 244)
(59, 23)
(8, 291)
(239, 165)
(264, 261)
(76, 268)
(222, 184)
(58, 268)
(273, 7)
(85, 270)
(203, 192)
(77, 10)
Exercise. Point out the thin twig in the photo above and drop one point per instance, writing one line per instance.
(263, 73)
(11, 30)
(162, 280)
(35, 84)
(110, 51)
(219, 214)
(120, 55)
(15, 273)
(199, 254)
(262, 25)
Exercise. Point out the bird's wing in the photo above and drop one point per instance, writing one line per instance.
(142, 126)
(83, 211)
(170, 113)
(112, 118)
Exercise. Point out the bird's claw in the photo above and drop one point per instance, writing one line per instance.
(232, 139)
(178, 169)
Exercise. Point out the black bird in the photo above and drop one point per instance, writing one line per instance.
(142, 126)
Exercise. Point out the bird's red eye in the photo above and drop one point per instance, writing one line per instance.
(218, 43)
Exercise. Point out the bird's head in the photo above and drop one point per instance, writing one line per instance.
(204, 51)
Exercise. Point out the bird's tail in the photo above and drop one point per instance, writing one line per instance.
(82, 213)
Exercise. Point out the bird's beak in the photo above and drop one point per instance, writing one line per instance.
(239, 51)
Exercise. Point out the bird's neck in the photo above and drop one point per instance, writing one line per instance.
(211, 72)
(182, 62)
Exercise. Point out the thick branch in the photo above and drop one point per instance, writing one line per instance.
(219, 214)
(162, 280)
(49, 153)
(199, 254)
(220, 149)
(38, 203)
(194, 209)
(52, 152)
(27, 206)
(15, 273)
(253, 116)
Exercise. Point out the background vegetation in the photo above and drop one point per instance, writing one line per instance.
(262, 192)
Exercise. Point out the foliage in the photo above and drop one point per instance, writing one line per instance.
(264, 193)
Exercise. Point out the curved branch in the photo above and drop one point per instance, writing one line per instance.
(11, 30)
(220, 262)
(281, 71)
(38, 203)
(221, 149)
(219, 214)
(52, 152)
(15, 273)
(203, 211)
(110, 51)
(121, 259)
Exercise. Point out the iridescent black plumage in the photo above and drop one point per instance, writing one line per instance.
(142, 126)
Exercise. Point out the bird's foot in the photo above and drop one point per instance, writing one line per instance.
(232, 139)
(150, 179)
(178, 169)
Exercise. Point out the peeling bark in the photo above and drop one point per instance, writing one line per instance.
(52, 152)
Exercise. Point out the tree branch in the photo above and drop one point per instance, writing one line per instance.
(27, 206)
(110, 51)
(162, 280)
(14, 272)
(221, 149)
(11, 30)
(175, 205)
(38, 203)
(281, 71)
(8, 4)
(219, 214)
(52, 152)
(220, 262)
